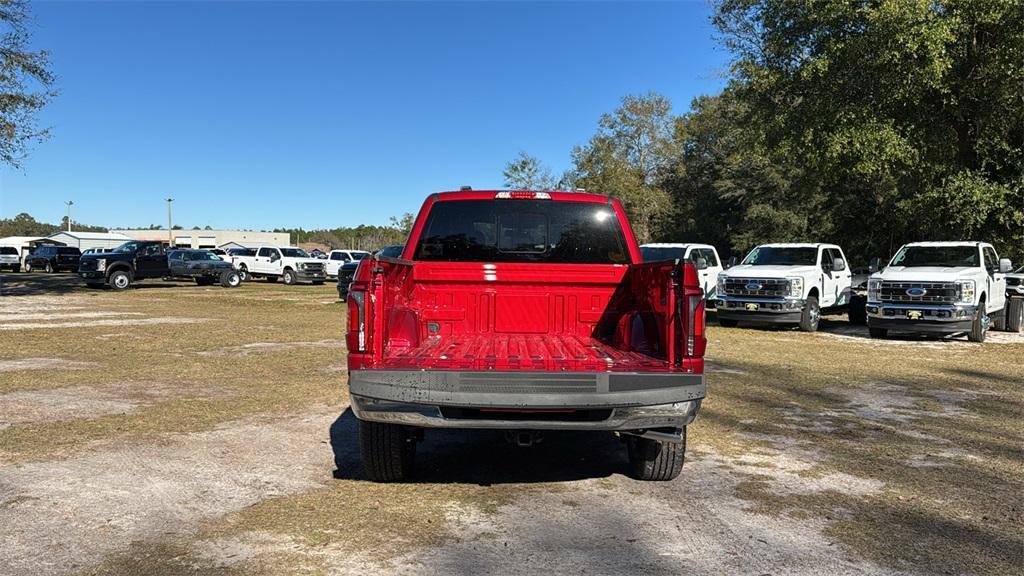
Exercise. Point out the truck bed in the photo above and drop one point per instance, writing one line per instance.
(548, 352)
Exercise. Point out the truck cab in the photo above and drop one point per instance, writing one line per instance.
(938, 288)
(785, 284)
(338, 258)
(689, 253)
(124, 265)
(526, 312)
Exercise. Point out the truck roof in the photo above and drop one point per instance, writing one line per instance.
(798, 244)
(949, 243)
(675, 245)
(556, 195)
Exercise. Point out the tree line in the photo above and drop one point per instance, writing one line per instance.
(868, 124)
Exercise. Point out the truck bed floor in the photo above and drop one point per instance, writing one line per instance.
(519, 352)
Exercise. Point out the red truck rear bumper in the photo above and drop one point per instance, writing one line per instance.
(527, 399)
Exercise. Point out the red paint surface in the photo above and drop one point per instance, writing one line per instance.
(514, 316)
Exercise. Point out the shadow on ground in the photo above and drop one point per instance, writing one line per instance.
(24, 284)
(484, 457)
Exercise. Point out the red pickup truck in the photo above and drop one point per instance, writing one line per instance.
(524, 311)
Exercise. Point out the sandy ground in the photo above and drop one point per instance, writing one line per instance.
(144, 504)
(56, 517)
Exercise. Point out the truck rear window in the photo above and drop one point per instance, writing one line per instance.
(536, 231)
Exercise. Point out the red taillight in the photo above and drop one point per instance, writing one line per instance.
(693, 299)
(355, 338)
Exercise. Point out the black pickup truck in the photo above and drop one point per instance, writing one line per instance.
(138, 260)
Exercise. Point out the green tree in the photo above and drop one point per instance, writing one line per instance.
(526, 172)
(628, 158)
(26, 83)
(888, 121)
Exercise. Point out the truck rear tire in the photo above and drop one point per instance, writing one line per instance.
(1014, 314)
(978, 331)
(119, 280)
(858, 313)
(880, 333)
(49, 268)
(999, 320)
(810, 316)
(243, 272)
(387, 451)
(728, 322)
(230, 279)
(655, 460)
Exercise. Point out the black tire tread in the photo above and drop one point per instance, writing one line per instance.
(656, 460)
(805, 316)
(1013, 314)
(387, 451)
(977, 333)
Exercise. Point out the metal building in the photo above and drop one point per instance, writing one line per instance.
(212, 238)
(85, 240)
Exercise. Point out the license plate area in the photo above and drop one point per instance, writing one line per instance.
(915, 315)
(752, 307)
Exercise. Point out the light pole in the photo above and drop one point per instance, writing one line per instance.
(70, 203)
(170, 241)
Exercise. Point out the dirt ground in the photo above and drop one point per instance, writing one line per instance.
(177, 429)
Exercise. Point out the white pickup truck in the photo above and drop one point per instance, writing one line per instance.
(689, 253)
(338, 258)
(291, 264)
(785, 284)
(939, 288)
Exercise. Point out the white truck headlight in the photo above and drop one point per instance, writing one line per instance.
(966, 291)
(101, 264)
(874, 290)
(796, 287)
(721, 284)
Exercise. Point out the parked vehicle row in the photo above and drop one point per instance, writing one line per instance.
(52, 259)
(928, 287)
(140, 260)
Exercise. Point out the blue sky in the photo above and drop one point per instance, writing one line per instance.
(317, 115)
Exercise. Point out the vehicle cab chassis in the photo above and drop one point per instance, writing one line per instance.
(940, 288)
(785, 284)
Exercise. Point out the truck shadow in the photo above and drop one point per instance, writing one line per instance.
(484, 457)
(30, 284)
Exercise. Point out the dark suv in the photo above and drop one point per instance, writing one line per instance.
(53, 259)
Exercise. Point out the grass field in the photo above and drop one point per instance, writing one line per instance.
(176, 429)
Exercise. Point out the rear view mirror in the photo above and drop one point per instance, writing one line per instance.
(1005, 265)
(732, 262)
(875, 265)
(838, 265)
(701, 264)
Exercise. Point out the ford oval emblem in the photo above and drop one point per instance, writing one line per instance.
(916, 291)
(753, 286)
